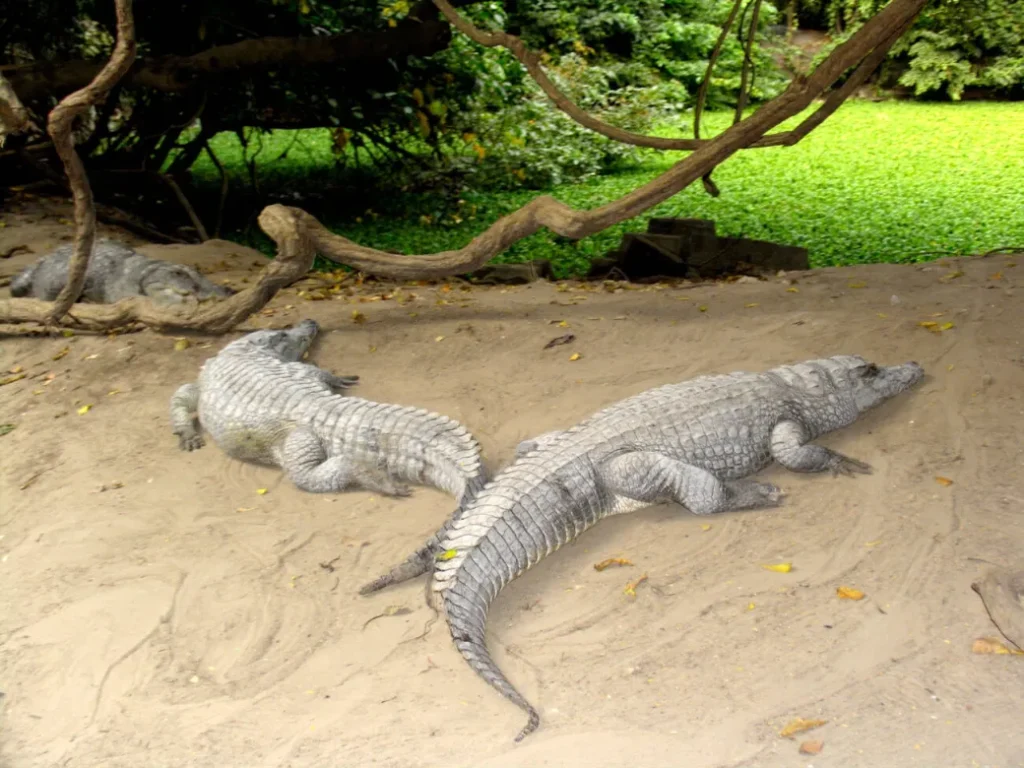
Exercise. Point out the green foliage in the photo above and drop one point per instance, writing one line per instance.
(953, 45)
(886, 182)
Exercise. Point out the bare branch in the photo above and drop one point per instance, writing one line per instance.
(192, 215)
(746, 79)
(702, 91)
(14, 118)
(865, 50)
(59, 127)
(294, 259)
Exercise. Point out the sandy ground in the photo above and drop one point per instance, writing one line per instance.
(158, 611)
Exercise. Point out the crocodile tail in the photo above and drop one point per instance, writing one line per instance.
(466, 617)
(422, 560)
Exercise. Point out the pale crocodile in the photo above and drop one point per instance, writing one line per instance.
(117, 272)
(262, 404)
(693, 443)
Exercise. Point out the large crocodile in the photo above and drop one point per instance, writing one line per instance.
(117, 272)
(261, 403)
(693, 443)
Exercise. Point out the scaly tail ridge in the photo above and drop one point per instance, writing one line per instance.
(466, 620)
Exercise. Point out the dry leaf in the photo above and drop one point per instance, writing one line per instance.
(439, 338)
(928, 324)
(560, 340)
(703, 307)
(358, 317)
(779, 567)
(61, 354)
(84, 410)
(574, 357)
(261, 491)
(706, 527)
(631, 587)
(12, 379)
(610, 562)
(858, 285)
(448, 554)
(883, 315)
(182, 344)
(751, 305)
(874, 543)
(799, 726)
(811, 747)
(750, 606)
(996, 276)
(945, 326)
(951, 276)
(16, 369)
(849, 593)
(6, 429)
(943, 481)
(792, 289)
(993, 645)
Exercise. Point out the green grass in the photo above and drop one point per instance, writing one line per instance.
(877, 182)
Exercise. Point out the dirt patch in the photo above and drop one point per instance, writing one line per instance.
(158, 611)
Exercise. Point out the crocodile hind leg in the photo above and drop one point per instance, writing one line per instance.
(790, 448)
(184, 404)
(653, 478)
(304, 459)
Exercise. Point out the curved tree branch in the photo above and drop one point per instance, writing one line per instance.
(59, 127)
(295, 253)
(14, 118)
(702, 91)
(864, 50)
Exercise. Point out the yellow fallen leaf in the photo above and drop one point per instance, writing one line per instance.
(373, 349)
(610, 562)
(16, 369)
(858, 285)
(874, 543)
(574, 357)
(67, 333)
(84, 410)
(61, 354)
(849, 593)
(928, 324)
(779, 567)
(943, 481)
(949, 367)
(750, 606)
(563, 324)
(113, 392)
(706, 527)
(993, 645)
(261, 491)
(811, 747)
(883, 315)
(792, 289)
(12, 379)
(703, 308)
(358, 317)
(799, 726)
(996, 276)
(181, 344)
(945, 326)
(439, 338)
(245, 509)
(631, 587)
(448, 554)
(951, 276)
(751, 305)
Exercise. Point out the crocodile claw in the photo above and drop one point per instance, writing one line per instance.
(844, 465)
(190, 442)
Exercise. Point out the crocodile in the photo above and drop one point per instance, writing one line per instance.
(117, 272)
(261, 403)
(694, 443)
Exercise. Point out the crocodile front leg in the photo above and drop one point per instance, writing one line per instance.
(790, 448)
(306, 462)
(653, 478)
(184, 404)
(335, 382)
